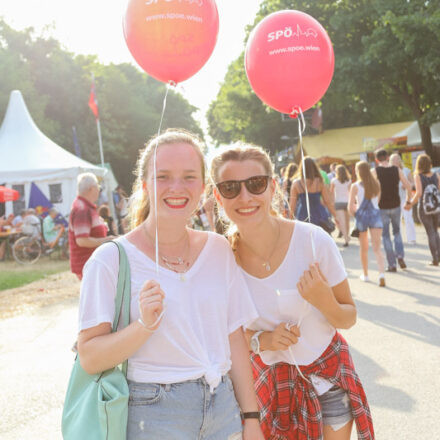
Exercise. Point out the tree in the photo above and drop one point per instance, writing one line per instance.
(56, 86)
(387, 65)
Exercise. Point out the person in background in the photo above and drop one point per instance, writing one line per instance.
(288, 175)
(324, 175)
(312, 179)
(18, 219)
(120, 199)
(87, 230)
(52, 232)
(428, 196)
(363, 203)
(340, 188)
(332, 173)
(306, 383)
(389, 177)
(31, 224)
(104, 212)
(2, 240)
(407, 216)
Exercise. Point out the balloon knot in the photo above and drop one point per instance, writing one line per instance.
(294, 113)
(172, 83)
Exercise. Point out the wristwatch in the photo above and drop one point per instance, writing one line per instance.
(250, 415)
(255, 342)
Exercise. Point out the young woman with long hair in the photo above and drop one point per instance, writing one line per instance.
(364, 205)
(309, 176)
(186, 350)
(429, 216)
(340, 188)
(305, 379)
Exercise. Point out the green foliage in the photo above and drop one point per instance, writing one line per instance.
(56, 86)
(387, 68)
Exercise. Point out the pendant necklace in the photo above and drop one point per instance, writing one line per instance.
(177, 264)
(266, 261)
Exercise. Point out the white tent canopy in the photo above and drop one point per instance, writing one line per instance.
(27, 155)
(415, 138)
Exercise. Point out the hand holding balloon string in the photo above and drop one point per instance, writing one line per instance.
(151, 305)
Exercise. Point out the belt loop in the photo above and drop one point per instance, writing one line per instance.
(167, 387)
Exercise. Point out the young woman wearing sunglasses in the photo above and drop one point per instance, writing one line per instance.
(187, 354)
(304, 376)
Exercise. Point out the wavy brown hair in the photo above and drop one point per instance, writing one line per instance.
(370, 183)
(140, 205)
(423, 164)
(312, 170)
(342, 174)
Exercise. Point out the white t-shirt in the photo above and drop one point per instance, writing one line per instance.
(341, 190)
(201, 312)
(278, 300)
(361, 194)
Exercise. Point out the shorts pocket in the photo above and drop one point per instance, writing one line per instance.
(144, 393)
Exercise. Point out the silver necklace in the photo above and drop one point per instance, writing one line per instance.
(266, 261)
(176, 264)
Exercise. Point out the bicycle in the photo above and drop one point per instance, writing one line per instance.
(29, 248)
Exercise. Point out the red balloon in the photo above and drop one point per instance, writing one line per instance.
(289, 61)
(171, 39)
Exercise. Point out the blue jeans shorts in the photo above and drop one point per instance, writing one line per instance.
(183, 411)
(335, 408)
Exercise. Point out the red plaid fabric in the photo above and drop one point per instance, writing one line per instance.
(289, 405)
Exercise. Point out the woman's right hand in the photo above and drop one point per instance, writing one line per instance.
(151, 305)
(281, 338)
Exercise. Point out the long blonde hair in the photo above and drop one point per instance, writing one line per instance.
(370, 183)
(140, 205)
(239, 153)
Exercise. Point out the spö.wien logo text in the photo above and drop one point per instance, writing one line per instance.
(289, 33)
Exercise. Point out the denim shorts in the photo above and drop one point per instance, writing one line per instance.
(183, 411)
(368, 219)
(335, 408)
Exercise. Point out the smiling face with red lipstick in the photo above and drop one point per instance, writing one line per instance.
(179, 181)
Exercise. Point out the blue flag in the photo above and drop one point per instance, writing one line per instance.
(42, 204)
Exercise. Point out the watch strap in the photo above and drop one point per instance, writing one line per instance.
(251, 415)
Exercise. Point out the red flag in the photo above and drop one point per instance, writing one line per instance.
(93, 102)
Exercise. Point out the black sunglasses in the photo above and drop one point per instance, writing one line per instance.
(230, 189)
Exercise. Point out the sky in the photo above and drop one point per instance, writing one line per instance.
(95, 27)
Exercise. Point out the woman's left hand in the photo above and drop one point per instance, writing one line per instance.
(252, 430)
(313, 286)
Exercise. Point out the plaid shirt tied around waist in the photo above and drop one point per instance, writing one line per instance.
(289, 405)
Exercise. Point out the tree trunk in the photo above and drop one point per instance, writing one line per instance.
(425, 131)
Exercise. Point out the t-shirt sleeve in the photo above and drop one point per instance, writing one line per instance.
(98, 287)
(82, 223)
(241, 308)
(329, 258)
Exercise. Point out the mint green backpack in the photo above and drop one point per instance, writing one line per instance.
(96, 406)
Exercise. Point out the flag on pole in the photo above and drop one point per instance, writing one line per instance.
(93, 101)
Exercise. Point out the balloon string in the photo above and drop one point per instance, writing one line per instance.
(301, 128)
(156, 232)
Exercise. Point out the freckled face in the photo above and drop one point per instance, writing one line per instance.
(179, 180)
(246, 208)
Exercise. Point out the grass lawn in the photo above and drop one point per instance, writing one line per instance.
(13, 274)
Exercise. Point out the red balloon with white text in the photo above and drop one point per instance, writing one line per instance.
(289, 61)
(171, 39)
